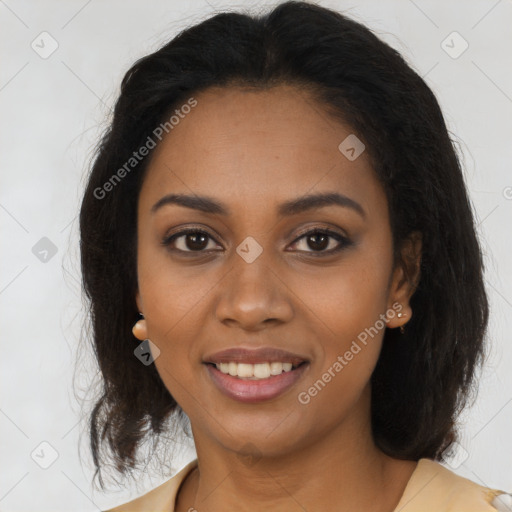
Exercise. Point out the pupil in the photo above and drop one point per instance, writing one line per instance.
(315, 237)
(195, 244)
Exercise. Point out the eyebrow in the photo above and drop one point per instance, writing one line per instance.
(293, 207)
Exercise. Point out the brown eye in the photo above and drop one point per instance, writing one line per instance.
(318, 240)
(190, 240)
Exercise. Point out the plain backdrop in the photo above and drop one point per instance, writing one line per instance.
(62, 63)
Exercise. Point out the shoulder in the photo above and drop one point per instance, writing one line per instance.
(434, 487)
(159, 499)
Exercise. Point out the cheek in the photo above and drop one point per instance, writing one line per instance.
(174, 313)
(172, 293)
(345, 307)
(174, 298)
(346, 299)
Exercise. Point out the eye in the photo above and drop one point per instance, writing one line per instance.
(198, 241)
(189, 240)
(319, 239)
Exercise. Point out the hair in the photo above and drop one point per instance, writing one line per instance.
(424, 377)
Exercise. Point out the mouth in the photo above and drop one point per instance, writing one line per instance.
(255, 375)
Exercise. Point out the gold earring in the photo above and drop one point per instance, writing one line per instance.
(402, 328)
(139, 330)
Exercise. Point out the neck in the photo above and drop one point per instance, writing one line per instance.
(342, 471)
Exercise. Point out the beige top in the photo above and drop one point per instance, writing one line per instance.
(431, 488)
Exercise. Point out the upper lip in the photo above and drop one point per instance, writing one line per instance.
(254, 356)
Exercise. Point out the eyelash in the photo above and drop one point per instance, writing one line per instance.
(343, 241)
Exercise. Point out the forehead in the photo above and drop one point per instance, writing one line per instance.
(267, 145)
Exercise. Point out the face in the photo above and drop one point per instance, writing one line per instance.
(259, 270)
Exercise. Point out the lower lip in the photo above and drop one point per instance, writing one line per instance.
(251, 391)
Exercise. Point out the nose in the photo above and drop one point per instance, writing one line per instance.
(253, 296)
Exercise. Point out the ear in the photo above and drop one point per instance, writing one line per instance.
(405, 279)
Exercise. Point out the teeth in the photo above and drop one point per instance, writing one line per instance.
(254, 371)
(232, 369)
(261, 371)
(276, 368)
(245, 370)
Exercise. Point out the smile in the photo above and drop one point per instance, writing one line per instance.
(253, 383)
(254, 371)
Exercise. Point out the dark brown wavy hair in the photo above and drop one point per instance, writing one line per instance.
(424, 377)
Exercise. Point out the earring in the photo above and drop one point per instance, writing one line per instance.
(139, 329)
(402, 328)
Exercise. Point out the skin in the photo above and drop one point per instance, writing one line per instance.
(253, 150)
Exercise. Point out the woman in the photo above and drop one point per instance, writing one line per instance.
(278, 215)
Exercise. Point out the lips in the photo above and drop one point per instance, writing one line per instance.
(262, 389)
(253, 391)
(255, 356)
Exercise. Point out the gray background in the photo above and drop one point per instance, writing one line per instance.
(52, 112)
